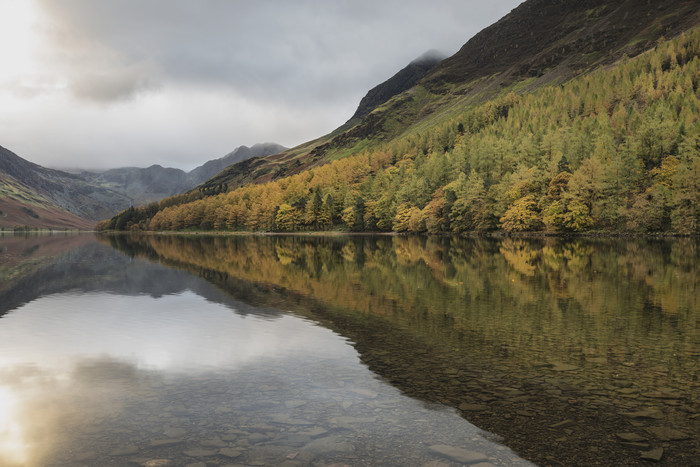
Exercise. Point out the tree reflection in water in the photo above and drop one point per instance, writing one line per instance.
(557, 345)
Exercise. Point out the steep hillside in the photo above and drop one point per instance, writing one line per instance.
(563, 37)
(22, 207)
(615, 150)
(400, 82)
(541, 42)
(26, 182)
(206, 171)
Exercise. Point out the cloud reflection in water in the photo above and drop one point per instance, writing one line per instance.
(73, 357)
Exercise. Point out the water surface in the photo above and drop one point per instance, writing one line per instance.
(113, 358)
(576, 352)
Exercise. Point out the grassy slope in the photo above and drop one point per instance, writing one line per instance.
(20, 207)
(27, 182)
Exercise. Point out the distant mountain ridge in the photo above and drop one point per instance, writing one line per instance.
(144, 185)
(206, 171)
(39, 197)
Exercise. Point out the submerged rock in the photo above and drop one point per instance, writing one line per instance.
(653, 455)
(214, 442)
(458, 454)
(563, 424)
(256, 438)
(175, 432)
(230, 453)
(329, 444)
(631, 437)
(645, 413)
(666, 433)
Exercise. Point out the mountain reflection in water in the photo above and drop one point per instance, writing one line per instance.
(577, 352)
(107, 359)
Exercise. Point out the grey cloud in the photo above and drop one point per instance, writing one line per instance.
(37, 86)
(93, 69)
(279, 50)
(113, 84)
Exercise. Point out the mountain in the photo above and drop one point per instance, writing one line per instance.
(558, 39)
(285, 162)
(38, 197)
(541, 42)
(564, 116)
(35, 196)
(206, 171)
(402, 81)
(21, 207)
(144, 185)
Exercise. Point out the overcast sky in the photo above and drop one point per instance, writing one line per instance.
(110, 83)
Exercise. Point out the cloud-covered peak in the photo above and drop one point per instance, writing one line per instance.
(431, 56)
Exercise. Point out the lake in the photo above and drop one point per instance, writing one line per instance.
(348, 350)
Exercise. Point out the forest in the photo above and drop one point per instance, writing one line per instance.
(613, 151)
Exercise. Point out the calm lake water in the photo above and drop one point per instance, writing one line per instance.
(406, 351)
